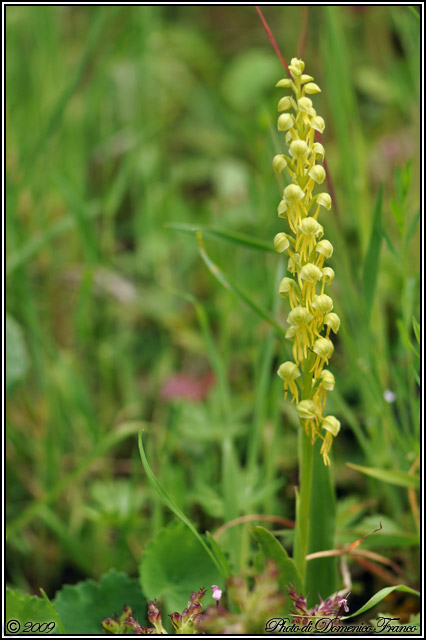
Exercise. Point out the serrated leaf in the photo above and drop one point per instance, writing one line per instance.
(379, 596)
(17, 361)
(26, 608)
(174, 564)
(400, 478)
(271, 548)
(83, 606)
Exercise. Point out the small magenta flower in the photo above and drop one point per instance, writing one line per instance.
(217, 593)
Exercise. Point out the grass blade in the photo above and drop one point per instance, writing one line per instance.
(379, 596)
(371, 262)
(173, 507)
(399, 478)
(232, 236)
(225, 282)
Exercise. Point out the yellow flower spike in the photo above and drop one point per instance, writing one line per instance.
(311, 316)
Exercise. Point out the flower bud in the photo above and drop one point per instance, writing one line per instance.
(285, 82)
(284, 104)
(332, 320)
(323, 304)
(293, 193)
(306, 78)
(317, 173)
(288, 371)
(304, 104)
(327, 275)
(299, 317)
(298, 63)
(299, 149)
(282, 208)
(310, 273)
(310, 227)
(331, 424)
(284, 287)
(290, 333)
(281, 242)
(327, 380)
(323, 347)
(318, 149)
(285, 122)
(325, 248)
(307, 410)
(324, 199)
(311, 87)
(279, 163)
(318, 123)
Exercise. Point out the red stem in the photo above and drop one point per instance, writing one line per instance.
(273, 42)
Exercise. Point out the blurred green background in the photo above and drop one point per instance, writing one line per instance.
(121, 120)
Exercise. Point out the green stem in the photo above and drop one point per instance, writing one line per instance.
(303, 506)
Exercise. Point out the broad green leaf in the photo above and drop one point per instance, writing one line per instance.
(400, 478)
(379, 596)
(271, 548)
(226, 282)
(172, 506)
(17, 361)
(26, 608)
(371, 262)
(321, 573)
(174, 564)
(232, 236)
(83, 606)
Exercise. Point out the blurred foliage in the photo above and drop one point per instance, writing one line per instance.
(119, 121)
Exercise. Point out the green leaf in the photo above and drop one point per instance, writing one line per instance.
(321, 573)
(271, 548)
(17, 361)
(232, 236)
(400, 478)
(226, 282)
(172, 506)
(416, 329)
(371, 262)
(379, 596)
(25, 609)
(83, 606)
(174, 564)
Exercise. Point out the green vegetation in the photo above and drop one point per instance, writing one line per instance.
(142, 295)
